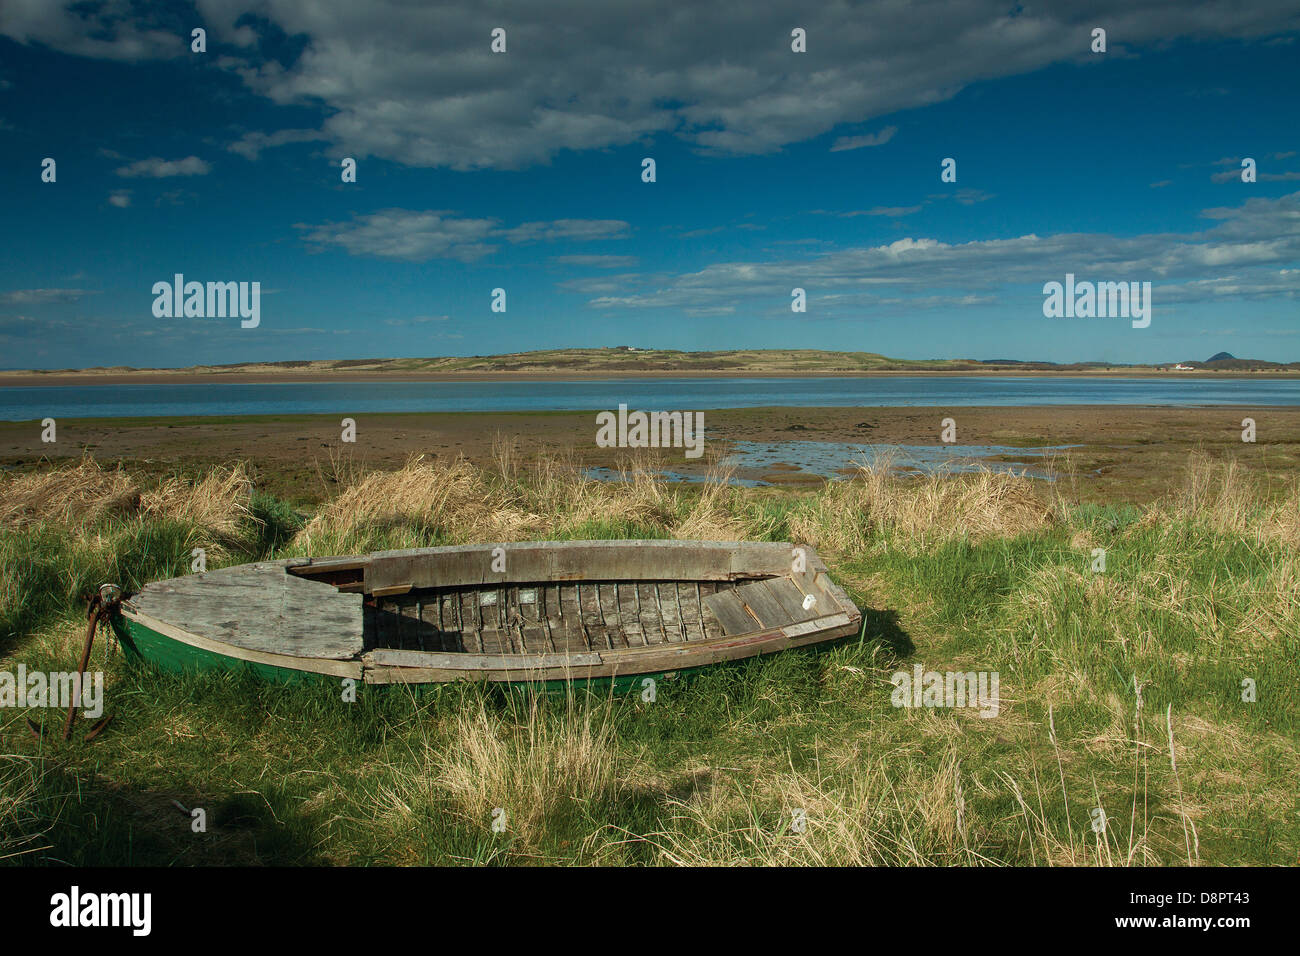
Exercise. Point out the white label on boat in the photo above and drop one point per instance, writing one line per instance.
(807, 627)
(487, 598)
(528, 596)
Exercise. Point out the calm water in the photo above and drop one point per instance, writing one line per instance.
(829, 459)
(338, 398)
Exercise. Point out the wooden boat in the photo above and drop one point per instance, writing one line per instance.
(560, 611)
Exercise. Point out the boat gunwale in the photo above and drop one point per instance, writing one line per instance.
(533, 667)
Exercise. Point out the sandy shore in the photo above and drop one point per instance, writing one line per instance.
(1122, 452)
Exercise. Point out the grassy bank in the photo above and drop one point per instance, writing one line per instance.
(1120, 691)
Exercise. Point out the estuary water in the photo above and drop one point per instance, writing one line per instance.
(658, 394)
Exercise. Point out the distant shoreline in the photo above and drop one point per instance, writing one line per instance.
(606, 363)
(30, 379)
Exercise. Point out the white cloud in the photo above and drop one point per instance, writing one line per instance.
(893, 212)
(967, 197)
(844, 143)
(1249, 252)
(417, 320)
(407, 235)
(577, 229)
(417, 236)
(121, 198)
(156, 168)
(250, 145)
(42, 296)
(109, 29)
(599, 262)
(417, 83)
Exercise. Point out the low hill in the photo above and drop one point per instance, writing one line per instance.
(1226, 362)
(621, 360)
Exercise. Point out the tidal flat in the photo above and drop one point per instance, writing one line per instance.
(1115, 453)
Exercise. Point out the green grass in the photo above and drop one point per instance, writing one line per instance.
(714, 769)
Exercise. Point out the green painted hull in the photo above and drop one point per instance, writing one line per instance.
(144, 645)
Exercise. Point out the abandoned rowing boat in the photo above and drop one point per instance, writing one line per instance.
(519, 613)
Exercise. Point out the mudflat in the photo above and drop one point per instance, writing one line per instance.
(1119, 452)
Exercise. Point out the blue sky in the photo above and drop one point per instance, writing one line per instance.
(522, 171)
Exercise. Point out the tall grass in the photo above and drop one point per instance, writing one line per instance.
(847, 515)
(65, 531)
(1123, 692)
(449, 502)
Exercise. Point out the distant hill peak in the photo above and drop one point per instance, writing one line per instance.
(1221, 357)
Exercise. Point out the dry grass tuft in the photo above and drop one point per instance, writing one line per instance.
(933, 508)
(712, 515)
(453, 498)
(545, 768)
(548, 765)
(458, 502)
(873, 811)
(461, 503)
(1219, 495)
(81, 495)
(218, 502)
(74, 495)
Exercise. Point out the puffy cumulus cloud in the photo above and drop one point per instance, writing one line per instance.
(1248, 252)
(418, 84)
(417, 236)
(156, 168)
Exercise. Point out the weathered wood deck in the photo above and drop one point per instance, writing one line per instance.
(261, 608)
